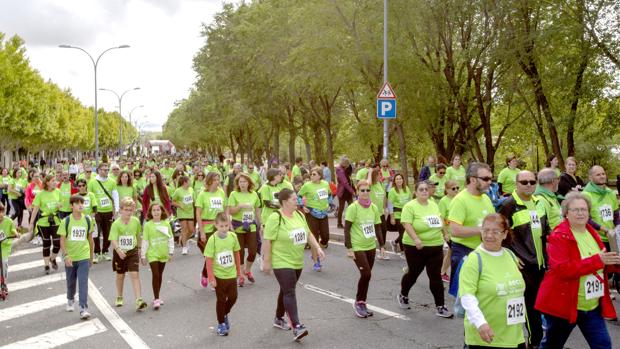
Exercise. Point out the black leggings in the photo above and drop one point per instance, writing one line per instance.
(346, 198)
(104, 223)
(383, 231)
(319, 228)
(431, 258)
(226, 293)
(50, 236)
(201, 246)
(364, 260)
(157, 269)
(249, 241)
(19, 207)
(401, 231)
(287, 301)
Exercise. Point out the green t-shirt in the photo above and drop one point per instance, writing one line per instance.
(77, 237)
(158, 236)
(5, 180)
(7, 230)
(444, 205)
(211, 204)
(602, 209)
(104, 202)
(535, 212)
(296, 171)
(377, 196)
(440, 188)
(399, 199)
(125, 192)
(499, 289)
(362, 173)
(18, 185)
(270, 192)
(288, 239)
(591, 289)
(255, 176)
(198, 186)
(469, 211)
(244, 215)
(508, 179)
(90, 201)
(316, 195)
(457, 175)
(426, 222)
(126, 235)
(47, 202)
(185, 198)
(363, 237)
(222, 251)
(65, 196)
(552, 207)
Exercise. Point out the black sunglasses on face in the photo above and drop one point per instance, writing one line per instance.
(364, 190)
(455, 188)
(485, 179)
(524, 182)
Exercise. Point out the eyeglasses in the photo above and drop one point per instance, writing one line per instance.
(364, 190)
(493, 232)
(532, 182)
(578, 210)
(485, 179)
(422, 189)
(455, 188)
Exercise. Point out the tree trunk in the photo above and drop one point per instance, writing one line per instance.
(402, 147)
(292, 133)
(576, 94)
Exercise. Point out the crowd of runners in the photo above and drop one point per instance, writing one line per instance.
(527, 256)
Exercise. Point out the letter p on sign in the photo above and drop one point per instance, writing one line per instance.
(386, 108)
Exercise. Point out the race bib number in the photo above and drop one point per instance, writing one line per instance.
(104, 202)
(322, 194)
(2, 235)
(225, 259)
(434, 222)
(368, 230)
(593, 287)
(534, 220)
(163, 230)
(78, 233)
(515, 311)
(87, 202)
(248, 216)
(188, 199)
(299, 236)
(607, 215)
(125, 242)
(216, 203)
(275, 197)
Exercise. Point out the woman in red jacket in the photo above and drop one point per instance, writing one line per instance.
(575, 289)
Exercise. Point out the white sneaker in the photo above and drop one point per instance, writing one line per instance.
(184, 251)
(84, 314)
(70, 305)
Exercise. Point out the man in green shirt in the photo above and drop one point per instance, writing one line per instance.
(255, 176)
(547, 187)
(105, 192)
(604, 213)
(77, 245)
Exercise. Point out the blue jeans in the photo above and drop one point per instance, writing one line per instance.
(78, 272)
(591, 324)
(458, 252)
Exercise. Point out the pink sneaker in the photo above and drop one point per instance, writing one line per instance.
(445, 278)
(250, 277)
(204, 282)
(156, 304)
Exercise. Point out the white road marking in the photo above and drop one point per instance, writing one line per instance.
(60, 336)
(115, 320)
(47, 279)
(32, 307)
(351, 301)
(26, 251)
(342, 244)
(24, 266)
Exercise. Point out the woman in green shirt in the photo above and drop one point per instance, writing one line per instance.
(286, 235)
(183, 200)
(315, 196)
(507, 178)
(423, 247)
(456, 172)
(398, 196)
(48, 203)
(378, 198)
(362, 223)
(17, 187)
(125, 187)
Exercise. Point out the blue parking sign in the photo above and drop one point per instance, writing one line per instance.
(386, 108)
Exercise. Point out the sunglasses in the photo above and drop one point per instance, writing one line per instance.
(364, 190)
(441, 173)
(527, 182)
(455, 188)
(485, 179)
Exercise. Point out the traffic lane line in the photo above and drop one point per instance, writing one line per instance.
(129, 335)
(352, 301)
(60, 336)
(32, 307)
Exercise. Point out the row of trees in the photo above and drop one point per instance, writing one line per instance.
(483, 78)
(37, 115)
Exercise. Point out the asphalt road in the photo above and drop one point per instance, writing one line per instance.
(188, 316)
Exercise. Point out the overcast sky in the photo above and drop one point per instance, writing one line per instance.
(164, 35)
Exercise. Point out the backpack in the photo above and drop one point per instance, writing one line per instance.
(67, 221)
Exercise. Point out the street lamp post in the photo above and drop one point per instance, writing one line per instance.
(95, 63)
(120, 112)
(131, 112)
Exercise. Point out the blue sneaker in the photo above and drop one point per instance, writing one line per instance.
(226, 322)
(299, 332)
(222, 330)
(317, 265)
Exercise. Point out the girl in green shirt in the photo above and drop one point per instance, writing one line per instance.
(183, 200)
(48, 203)
(17, 187)
(398, 196)
(315, 196)
(125, 187)
(157, 247)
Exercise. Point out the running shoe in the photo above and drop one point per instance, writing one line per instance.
(226, 323)
(323, 246)
(317, 265)
(96, 258)
(47, 269)
(221, 329)
(442, 311)
(445, 278)
(359, 309)
(405, 269)
(250, 277)
(54, 264)
(281, 324)
(140, 304)
(368, 312)
(240, 281)
(70, 305)
(156, 304)
(299, 332)
(204, 282)
(340, 226)
(84, 314)
(119, 302)
(106, 256)
(184, 251)
(403, 302)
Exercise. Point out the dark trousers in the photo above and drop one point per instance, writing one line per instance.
(226, 293)
(287, 300)
(201, 245)
(18, 207)
(247, 240)
(50, 237)
(104, 223)
(458, 252)
(591, 324)
(346, 198)
(533, 277)
(319, 228)
(383, 230)
(157, 269)
(401, 232)
(364, 260)
(431, 258)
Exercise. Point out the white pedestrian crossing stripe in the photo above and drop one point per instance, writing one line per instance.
(47, 279)
(25, 266)
(32, 307)
(60, 336)
(26, 252)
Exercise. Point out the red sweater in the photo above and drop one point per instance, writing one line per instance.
(558, 293)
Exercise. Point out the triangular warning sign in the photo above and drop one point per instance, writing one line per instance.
(386, 91)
